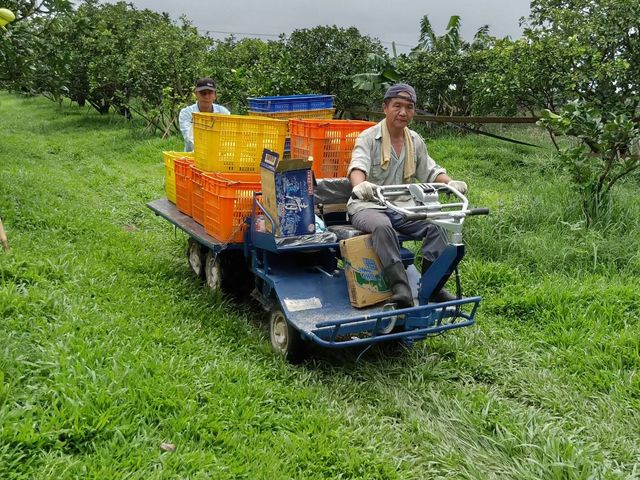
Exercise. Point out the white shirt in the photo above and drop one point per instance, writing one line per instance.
(186, 122)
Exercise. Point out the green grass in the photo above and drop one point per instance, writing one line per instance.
(109, 346)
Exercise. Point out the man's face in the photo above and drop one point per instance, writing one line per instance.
(399, 111)
(205, 98)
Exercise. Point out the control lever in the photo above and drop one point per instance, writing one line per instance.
(417, 193)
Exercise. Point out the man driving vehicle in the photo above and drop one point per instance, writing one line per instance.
(389, 153)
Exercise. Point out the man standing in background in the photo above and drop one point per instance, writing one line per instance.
(205, 91)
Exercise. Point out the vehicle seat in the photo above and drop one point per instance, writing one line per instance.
(330, 198)
(345, 231)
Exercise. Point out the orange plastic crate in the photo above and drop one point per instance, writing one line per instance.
(228, 200)
(197, 194)
(329, 142)
(183, 184)
(234, 143)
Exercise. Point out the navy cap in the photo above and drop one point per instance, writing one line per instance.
(395, 91)
(205, 84)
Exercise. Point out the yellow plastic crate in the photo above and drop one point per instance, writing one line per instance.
(170, 173)
(234, 143)
(326, 114)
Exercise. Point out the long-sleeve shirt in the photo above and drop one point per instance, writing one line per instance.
(186, 122)
(367, 155)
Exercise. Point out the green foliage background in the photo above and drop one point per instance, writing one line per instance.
(114, 56)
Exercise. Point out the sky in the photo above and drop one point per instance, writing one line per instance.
(389, 21)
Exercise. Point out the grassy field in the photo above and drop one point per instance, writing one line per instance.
(110, 347)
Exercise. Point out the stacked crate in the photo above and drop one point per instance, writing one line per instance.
(319, 107)
(312, 132)
(328, 142)
(215, 183)
(182, 171)
(226, 169)
(169, 159)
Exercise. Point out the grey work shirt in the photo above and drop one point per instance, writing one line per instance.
(367, 154)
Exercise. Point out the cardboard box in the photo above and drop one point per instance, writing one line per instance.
(287, 194)
(365, 281)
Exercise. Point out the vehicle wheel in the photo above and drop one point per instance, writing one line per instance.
(196, 257)
(213, 271)
(284, 338)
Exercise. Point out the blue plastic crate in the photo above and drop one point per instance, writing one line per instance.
(287, 144)
(290, 103)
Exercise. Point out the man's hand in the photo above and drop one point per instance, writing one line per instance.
(459, 185)
(364, 190)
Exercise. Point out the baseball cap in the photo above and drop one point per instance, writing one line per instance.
(394, 91)
(205, 84)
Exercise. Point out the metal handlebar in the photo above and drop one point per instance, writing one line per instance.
(478, 211)
(426, 203)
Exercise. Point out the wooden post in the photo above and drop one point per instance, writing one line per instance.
(3, 238)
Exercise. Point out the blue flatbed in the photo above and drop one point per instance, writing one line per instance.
(167, 210)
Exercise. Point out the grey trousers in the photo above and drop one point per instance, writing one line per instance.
(383, 225)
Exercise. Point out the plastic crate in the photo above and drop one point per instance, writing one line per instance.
(316, 114)
(329, 142)
(228, 200)
(234, 143)
(289, 103)
(169, 172)
(183, 184)
(197, 194)
(326, 114)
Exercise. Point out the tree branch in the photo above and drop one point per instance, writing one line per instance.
(622, 174)
(605, 174)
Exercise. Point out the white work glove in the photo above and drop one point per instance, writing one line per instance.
(364, 191)
(459, 185)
